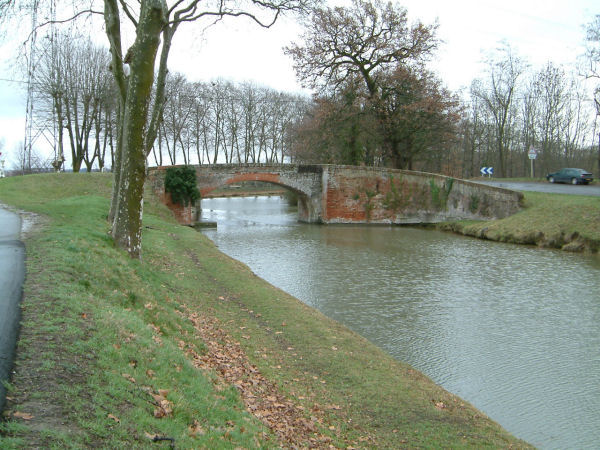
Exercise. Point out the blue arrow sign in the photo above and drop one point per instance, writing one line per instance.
(487, 171)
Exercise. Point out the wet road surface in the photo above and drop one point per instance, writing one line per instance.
(550, 188)
(12, 275)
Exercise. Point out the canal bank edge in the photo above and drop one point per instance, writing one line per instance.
(570, 242)
(554, 221)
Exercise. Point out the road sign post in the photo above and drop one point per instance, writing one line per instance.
(489, 171)
(532, 155)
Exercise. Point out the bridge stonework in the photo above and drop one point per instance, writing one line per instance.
(351, 194)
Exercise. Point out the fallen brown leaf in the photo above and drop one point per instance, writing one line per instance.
(226, 357)
(195, 428)
(150, 436)
(128, 377)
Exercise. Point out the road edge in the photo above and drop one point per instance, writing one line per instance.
(11, 310)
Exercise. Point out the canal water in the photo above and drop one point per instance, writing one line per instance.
(514, 330)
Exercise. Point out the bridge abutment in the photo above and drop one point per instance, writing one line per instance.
(389, 196)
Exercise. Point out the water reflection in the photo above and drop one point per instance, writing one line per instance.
(514, 330)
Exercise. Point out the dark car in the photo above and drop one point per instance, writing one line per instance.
(573, 176)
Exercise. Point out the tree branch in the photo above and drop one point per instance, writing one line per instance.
(80, 13)
(128, 13)
(113, 32)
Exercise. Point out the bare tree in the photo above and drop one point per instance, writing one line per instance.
(474, 133)
(528, 114)
(249, 117)
(199, 120)
(72, 89)
(372, 42)
(576, 123)
(176, 112)
(498, 94)
(550, 91)
(30, 160)
(362, 40)
(593, 70)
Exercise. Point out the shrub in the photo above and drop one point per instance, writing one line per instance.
(181, 183)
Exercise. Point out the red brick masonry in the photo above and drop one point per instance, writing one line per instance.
(350, 194)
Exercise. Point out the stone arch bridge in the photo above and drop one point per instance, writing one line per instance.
(352, 194)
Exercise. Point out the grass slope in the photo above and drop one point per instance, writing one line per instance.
(567, 222)
(189, 347)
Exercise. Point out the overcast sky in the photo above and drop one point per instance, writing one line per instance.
(538, 31)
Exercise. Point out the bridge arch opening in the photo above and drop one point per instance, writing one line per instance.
(245, 188)
(245, 180)
(305, 210)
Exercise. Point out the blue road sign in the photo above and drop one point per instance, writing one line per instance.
(487, 171)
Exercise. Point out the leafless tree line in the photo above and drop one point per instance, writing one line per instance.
(201, 123)
(75, 100)
(223, 122)
(515, 109)
(509, 111)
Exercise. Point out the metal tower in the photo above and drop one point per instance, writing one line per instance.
(34, 130)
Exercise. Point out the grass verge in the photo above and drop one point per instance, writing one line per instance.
(566, 222)
(189, 348)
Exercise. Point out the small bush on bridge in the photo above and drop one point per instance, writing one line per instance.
(181, 183)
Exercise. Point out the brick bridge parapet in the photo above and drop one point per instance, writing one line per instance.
(356, 194)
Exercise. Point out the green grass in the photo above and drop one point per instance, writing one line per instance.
(568, 222)
(104, 335)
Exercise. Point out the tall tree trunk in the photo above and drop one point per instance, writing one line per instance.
(113, 32)
(116, 167)
(127, 225)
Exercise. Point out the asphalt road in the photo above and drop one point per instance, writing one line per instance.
(12, 275)
(550, 188)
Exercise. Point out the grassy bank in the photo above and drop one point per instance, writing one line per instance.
(189, 346)
(567, 222)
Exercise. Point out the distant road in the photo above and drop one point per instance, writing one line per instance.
(549, 188)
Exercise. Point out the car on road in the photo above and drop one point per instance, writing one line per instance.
(573, 176)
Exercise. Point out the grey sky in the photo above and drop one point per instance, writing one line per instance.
(539, 31)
